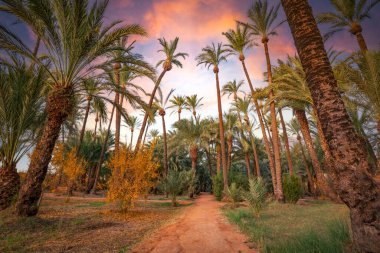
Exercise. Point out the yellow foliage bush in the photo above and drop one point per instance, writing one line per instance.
(132, 175)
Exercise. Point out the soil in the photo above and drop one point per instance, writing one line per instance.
(202, 228)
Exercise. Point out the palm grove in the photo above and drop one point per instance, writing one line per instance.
(80, 66)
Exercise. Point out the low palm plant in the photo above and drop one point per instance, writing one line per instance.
(234, 194)
(255, 196)
(174, 183)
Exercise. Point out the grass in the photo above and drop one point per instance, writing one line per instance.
(81, 225)
(317, 227)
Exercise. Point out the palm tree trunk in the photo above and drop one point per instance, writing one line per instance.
(117, 102)
(247, 164)
(208, 155)
(286, 142)
(218, 156)
(308, 172)
(84, 125)
(262, 126)
(221, 134)
(361, 42)
(9, 184)
(229, 149)
(102, 153)
(321, 180)
(355, 186)
(165, 147)
(275, 136)
(257, 165)
(146, 132)
(194, 157)
(179, 116)
(130, 143)
(96, 123)
(143, 125)
(58, 107)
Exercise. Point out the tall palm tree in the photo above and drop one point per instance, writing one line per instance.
(171, 58)
(233, 88)
(100, 109)
(263, 24)
(151, 121)
(178, 102)
(212, 56)
(357, 189)
(71, 53)
(349, 14)
(193, 104)
(133, 122)
(161, 105)
(22, 92)
(231, 120)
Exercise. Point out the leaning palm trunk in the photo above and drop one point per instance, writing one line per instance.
(117, 102)
(229, 150)
(321, 179)
(257, 165)
(262, 126)
(286, 143)
(84, 125)
(275, 136)
(165, 146)
(9, 185)
(59, 105)
(247, 164)
(308, 172)
(145, 120)
(146, 132)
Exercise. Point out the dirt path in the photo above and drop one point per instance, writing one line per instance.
(202, 228)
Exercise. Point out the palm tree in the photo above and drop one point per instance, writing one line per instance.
(100, 109)
(178, 102)
(71, 53)
(22, 92)
(233, 88)
(193, 104)
(161, 105)
(154, 133)
(263, 24)
(133, 122)
(357, 189)
(349, 14)
(151, 121)
(212, 56)
(230, 123)
(171, 58)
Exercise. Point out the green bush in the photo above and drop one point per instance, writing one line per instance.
(239, 178)
(174, 183)
(256, 195)
(234, 194)
(292, 187)
(217, 186)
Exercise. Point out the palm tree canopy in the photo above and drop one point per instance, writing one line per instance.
(348, 14)
(133, 122)
(193, 103)
(161, 101)
(178, 102)
(213, 55)
(239, 40)
(171, 57)
(232, 88)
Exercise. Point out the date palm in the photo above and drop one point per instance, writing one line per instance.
(212, 56)
(352, 181)
(100, 109)
(193, 104)
(263, 24)
(71, 50)
(22, 92)
(133, 122)
(233, 88)
(348, 14)
(178, 102)
(162, 105)
(231, 120)
(171, 58)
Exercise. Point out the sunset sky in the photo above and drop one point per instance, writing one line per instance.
(199, 23)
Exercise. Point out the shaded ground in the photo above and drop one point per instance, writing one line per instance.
(202, 228)
(83, 225)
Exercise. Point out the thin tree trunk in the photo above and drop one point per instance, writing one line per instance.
(247, 164)
(221, 134)
(58, 107)
(143, 125)
(130, 143)
(102, 153)
(286, 142)
(96, 123)
(179, 115)
(361, 42)
(275, 136)
(209, 162)
(194, 157)
(262, 126)
(355, 186)
(229, 148)
(146, 132)
(165, 146)
(84, 125)
(218, 156)
(308, 172)
(257, 165)
(9, 184)
(117, 102)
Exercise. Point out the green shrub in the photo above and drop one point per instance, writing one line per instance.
(190, 181)
(239, 178)
(174, 183)
(234, 194)
(292, 187)
(256, 195)
(217, 186)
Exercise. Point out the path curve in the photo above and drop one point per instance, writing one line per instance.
(202, 229)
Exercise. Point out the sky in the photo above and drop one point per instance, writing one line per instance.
(198, 23)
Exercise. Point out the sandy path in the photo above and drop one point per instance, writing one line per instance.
(202, 229)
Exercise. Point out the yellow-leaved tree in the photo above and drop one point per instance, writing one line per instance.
(132, 175)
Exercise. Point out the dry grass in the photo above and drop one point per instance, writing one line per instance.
(82, 225)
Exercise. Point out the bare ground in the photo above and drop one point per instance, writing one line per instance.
(202, 228)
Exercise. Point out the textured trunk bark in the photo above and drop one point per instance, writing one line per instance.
(275, 137)
(221, 134)
(59, 105)
(145, 120)
(361, 42)
(84, 125)
(247, 164)
(102, 153)
(194, 157)
(9, 185)
(257, 165)
(146, 132)
(229, 148)
(218, 155)
(262, 126)
(165, 146)
(286, 142)
(308, 172)
(117, 102)
(355, 186)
